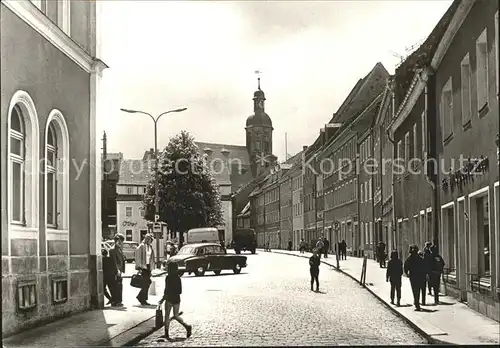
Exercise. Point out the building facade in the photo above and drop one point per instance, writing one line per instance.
(296, 177)
(285, 189)
(466, 90)
(51, 224)
(271, 193)
(454, 96)
(309, 188)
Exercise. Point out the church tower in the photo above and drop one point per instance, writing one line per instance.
(259, 135)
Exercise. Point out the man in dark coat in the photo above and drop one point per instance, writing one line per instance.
(326, 246)
(117, 268)
(381, 254)
(435, 272)
(428, 264)
(415, 269)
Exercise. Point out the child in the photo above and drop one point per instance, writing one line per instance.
(106, 275)
(314, 269)
(394, 273)
(172, 298)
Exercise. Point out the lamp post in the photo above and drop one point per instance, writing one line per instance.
(157, 208)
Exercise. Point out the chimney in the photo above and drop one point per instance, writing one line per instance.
(225, 152)
(208, 151)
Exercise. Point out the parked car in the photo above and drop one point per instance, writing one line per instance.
(129, 250)
(244, 239)
(202, 257)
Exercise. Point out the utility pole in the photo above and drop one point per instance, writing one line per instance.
(157, 206)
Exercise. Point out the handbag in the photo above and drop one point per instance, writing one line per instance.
(158, 317)
(137, 281)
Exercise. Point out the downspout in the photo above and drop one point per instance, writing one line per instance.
(393, 213)
(432, 174)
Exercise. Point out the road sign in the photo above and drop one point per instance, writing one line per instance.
(158, 234)
(336, 225)
(157, 217)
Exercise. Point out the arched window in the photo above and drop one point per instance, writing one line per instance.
(51, 172)
(56, 173)
(17, 161)
(22, 167)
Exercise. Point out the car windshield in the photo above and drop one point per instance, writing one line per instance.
(186, 250)
(130, 245)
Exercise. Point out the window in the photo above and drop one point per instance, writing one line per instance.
(424, 133)
(407, 147)
(141, 211)
(128, 235)
(128, 211)
(466, 89)
(64, 15)
(446, 108)
(51, 177)
(415, 141)
(17, 160)
(370, 190)
(482, 70)
(59, 290)
(129, 190)
(398, 150)
(23, 149)
(26, 295)
(366, 191)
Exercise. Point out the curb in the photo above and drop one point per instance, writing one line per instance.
(133, 335)
(427, 336)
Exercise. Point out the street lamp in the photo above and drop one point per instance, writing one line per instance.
(155, 121)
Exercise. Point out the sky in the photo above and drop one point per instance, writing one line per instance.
(164, 55)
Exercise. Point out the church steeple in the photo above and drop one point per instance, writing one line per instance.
(259, 133)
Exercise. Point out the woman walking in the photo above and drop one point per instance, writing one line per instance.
(394, 274)
(172, 298)
(314, 262)
(144, 263)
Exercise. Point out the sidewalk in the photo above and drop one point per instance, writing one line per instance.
(451, 322)
(108, 327)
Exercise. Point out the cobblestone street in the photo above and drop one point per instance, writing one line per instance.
(270, 303)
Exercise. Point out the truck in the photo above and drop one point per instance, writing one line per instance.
(244, 239)
(202, 235)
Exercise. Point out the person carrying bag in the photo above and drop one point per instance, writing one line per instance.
(144, 263)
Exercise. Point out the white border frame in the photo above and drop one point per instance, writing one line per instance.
(32, 141)
(63, 151)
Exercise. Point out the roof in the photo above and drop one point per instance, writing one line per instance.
(259, 119)
(135, 172)
(362, 94)
(422, 56)
(235, 157)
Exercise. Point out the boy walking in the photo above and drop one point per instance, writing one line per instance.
(172, 298)
(314, 262)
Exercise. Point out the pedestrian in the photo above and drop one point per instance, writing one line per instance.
(343, 250)
(428, 263)
(144, 263)
(172, 299)
(106, 275)
(290, 245)
(381, 254)
(414, 267)
(320, 246)
(326, 243)
(314, 262)
(435, 272)
(302, 246)
(394, 274)
(117, 269)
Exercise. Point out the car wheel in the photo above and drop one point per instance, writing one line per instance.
(237, 251)
(180, 273)
(217, 272)
(237, 269)
(200, 271)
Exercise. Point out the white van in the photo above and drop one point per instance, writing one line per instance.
(202, 235)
